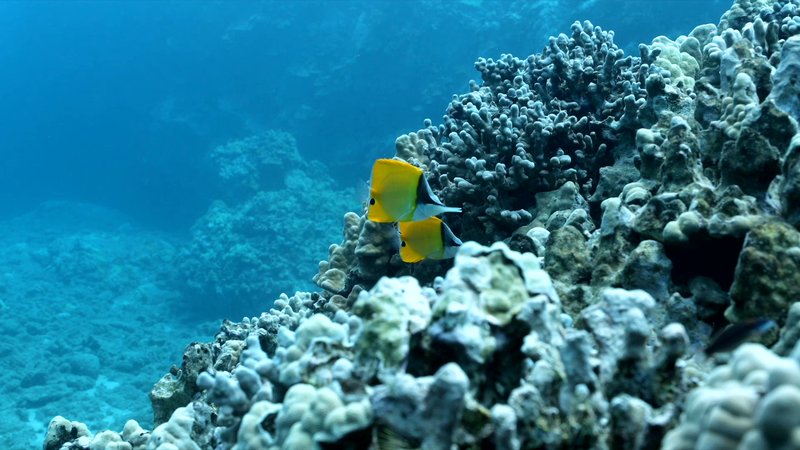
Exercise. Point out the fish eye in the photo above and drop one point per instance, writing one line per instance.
(372, 201)
(403, 243)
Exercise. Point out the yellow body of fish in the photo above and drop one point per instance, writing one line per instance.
(429, 238)
(393, 191)
(399, 192)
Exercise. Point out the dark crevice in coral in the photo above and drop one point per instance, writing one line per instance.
(632, 377)
(268, 424)
(440, 353)
(426, 271)
(500, 374)
(419, 363)
(521, 243)
(504, 370)
(360, 439)
(713, 258)
(595, 211)
(717, 322)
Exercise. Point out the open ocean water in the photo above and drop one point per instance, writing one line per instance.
(168, 165)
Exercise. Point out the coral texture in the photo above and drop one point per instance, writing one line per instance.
(250, 247)
(620, 209)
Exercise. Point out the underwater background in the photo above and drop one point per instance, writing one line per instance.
(168, 165)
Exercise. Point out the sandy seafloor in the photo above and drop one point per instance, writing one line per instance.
(86, 306)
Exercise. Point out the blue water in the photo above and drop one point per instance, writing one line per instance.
(109, 114)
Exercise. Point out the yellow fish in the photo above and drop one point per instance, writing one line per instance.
(429, 238)
(399, 192)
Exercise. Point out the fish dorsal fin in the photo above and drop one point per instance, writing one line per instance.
(451, 242)
(449, 239)
(393, 191)
(425, 195)
(428, 203)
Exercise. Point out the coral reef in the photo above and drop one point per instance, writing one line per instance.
(97, 277)
(751, 402)
(245, 253)
(620, 209)
(256, 163)
(418, 361)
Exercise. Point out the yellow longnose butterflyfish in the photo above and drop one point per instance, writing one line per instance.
(428, 238)
(399, 192)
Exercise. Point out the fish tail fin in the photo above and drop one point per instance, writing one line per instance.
(449, 209)
(423, 212)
